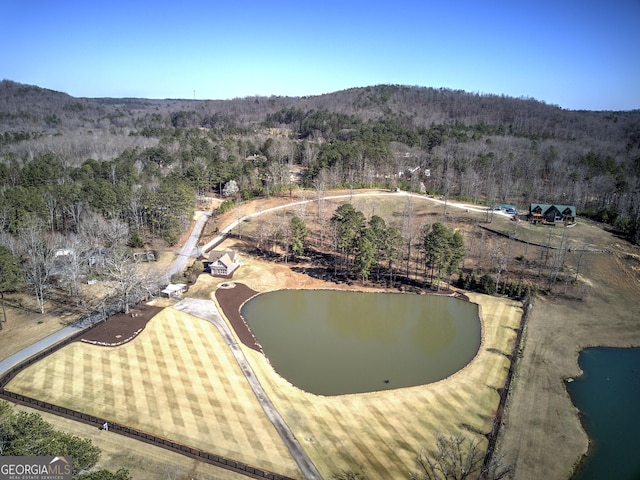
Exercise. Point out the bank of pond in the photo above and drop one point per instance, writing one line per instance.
(607, 395)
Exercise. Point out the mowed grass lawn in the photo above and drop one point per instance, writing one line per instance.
(177, 379)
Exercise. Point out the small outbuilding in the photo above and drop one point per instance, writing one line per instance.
(174, 290)
(222, 263)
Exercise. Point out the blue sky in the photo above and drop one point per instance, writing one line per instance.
(578, 54)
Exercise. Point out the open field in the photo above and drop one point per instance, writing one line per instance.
(177, 381)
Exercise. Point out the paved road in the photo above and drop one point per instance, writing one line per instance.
(225, 231)
(207, 310)
(37, 347)
(189, 249)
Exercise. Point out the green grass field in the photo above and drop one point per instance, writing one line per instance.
(178, 380)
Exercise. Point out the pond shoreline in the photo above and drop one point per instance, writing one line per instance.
(604, 395)
(379, 341)
(543, 433)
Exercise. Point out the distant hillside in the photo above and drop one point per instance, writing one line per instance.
(25, 107)
(483, 148)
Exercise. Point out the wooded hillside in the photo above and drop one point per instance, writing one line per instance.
(128, 159)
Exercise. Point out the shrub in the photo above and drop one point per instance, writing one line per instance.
(225, 206)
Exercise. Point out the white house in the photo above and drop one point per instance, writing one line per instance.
(223, 262)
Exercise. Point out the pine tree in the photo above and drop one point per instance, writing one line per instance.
(10, 277)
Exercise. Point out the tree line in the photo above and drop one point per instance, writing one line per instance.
(369, 249)
(482, 148)
(372, 137)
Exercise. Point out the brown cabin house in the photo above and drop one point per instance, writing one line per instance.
(550, 214)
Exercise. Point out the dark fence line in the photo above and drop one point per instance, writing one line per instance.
(543, 245)
(504, 392)
(511, 237)
(213, 459)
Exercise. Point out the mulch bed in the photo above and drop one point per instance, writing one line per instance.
(121, 328)
(230, 300)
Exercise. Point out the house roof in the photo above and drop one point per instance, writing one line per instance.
(226, 257)
(544, 207)
(174, 287)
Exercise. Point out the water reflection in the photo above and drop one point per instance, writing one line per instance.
(363, 316)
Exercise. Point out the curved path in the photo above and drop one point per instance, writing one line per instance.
(207, 310)
(225, 231)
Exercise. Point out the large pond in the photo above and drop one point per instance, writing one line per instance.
(607, 395)
(331, 342)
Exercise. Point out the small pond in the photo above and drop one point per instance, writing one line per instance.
(607, 396)
(332, 342)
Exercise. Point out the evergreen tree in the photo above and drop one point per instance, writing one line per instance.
(364, 256)
(378, 235)
(456, 245)
(393, 249)
(299, 234)
(443, 250)
(347, 223)
(437, 249)
(10, 277)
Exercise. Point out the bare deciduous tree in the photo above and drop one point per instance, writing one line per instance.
(130, 282)
(408, 217)
(458, 458)
(558, 258)
(97, 230)
(320, 183)
(500, 257)
(38, 255)
(73, 264)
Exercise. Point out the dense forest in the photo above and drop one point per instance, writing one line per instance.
(66, 160)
